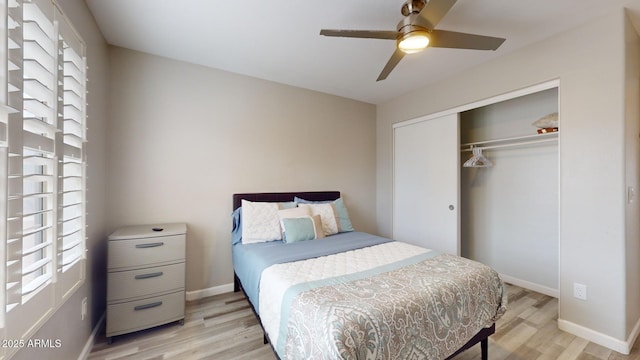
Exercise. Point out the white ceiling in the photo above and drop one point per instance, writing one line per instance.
(279, 40)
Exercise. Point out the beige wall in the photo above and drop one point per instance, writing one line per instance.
(183, 138)
(66, 323)
(632, 141)
(589, 65)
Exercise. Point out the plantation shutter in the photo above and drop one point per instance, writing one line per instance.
(44, 233)
(32, 170)
(71, 196)
(3, 75)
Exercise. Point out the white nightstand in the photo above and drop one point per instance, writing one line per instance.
(146, 277)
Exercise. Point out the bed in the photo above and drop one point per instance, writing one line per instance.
(353, 295)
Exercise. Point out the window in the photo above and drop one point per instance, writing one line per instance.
(42, 164)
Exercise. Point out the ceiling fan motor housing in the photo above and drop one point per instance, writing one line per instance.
(412, 7)
(408, 24)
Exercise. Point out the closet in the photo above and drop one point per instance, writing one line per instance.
(501, 210)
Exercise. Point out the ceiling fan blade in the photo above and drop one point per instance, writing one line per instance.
(457, 40)
(433, 12)
(393, 61)
(363, 34)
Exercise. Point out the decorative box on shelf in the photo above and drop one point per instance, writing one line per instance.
(547, 130)
(145, 277)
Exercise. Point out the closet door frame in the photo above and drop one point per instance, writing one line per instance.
(457, 110)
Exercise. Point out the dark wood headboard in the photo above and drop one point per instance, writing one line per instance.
(284, 196)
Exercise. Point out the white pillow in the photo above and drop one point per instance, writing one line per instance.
(327, 214)
(260, 222)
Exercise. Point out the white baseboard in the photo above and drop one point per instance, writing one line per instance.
(633, 336)
(216, 290)
(623, 347)
(531, 286)
(92, 339)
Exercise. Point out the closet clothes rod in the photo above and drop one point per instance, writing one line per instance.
(512, 145)
(512, 141)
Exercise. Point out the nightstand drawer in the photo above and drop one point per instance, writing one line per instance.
(122, 285)
(141, 314)
(146, 251)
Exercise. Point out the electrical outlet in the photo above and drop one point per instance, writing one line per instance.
(580, 291)
(83, 310)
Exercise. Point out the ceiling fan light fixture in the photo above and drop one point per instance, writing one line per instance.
(414, 41)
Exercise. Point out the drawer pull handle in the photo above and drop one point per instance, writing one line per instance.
(147, 306)
(149, 245)
(147, 276)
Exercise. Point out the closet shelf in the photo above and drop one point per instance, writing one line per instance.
(511, 141)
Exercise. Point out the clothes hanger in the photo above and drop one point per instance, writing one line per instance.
(477, 159)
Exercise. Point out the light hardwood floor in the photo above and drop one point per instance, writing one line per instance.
(224, 327)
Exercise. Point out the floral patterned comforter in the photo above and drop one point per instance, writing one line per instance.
(422, 308)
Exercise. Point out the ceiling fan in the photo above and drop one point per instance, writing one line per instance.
(417, 31)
